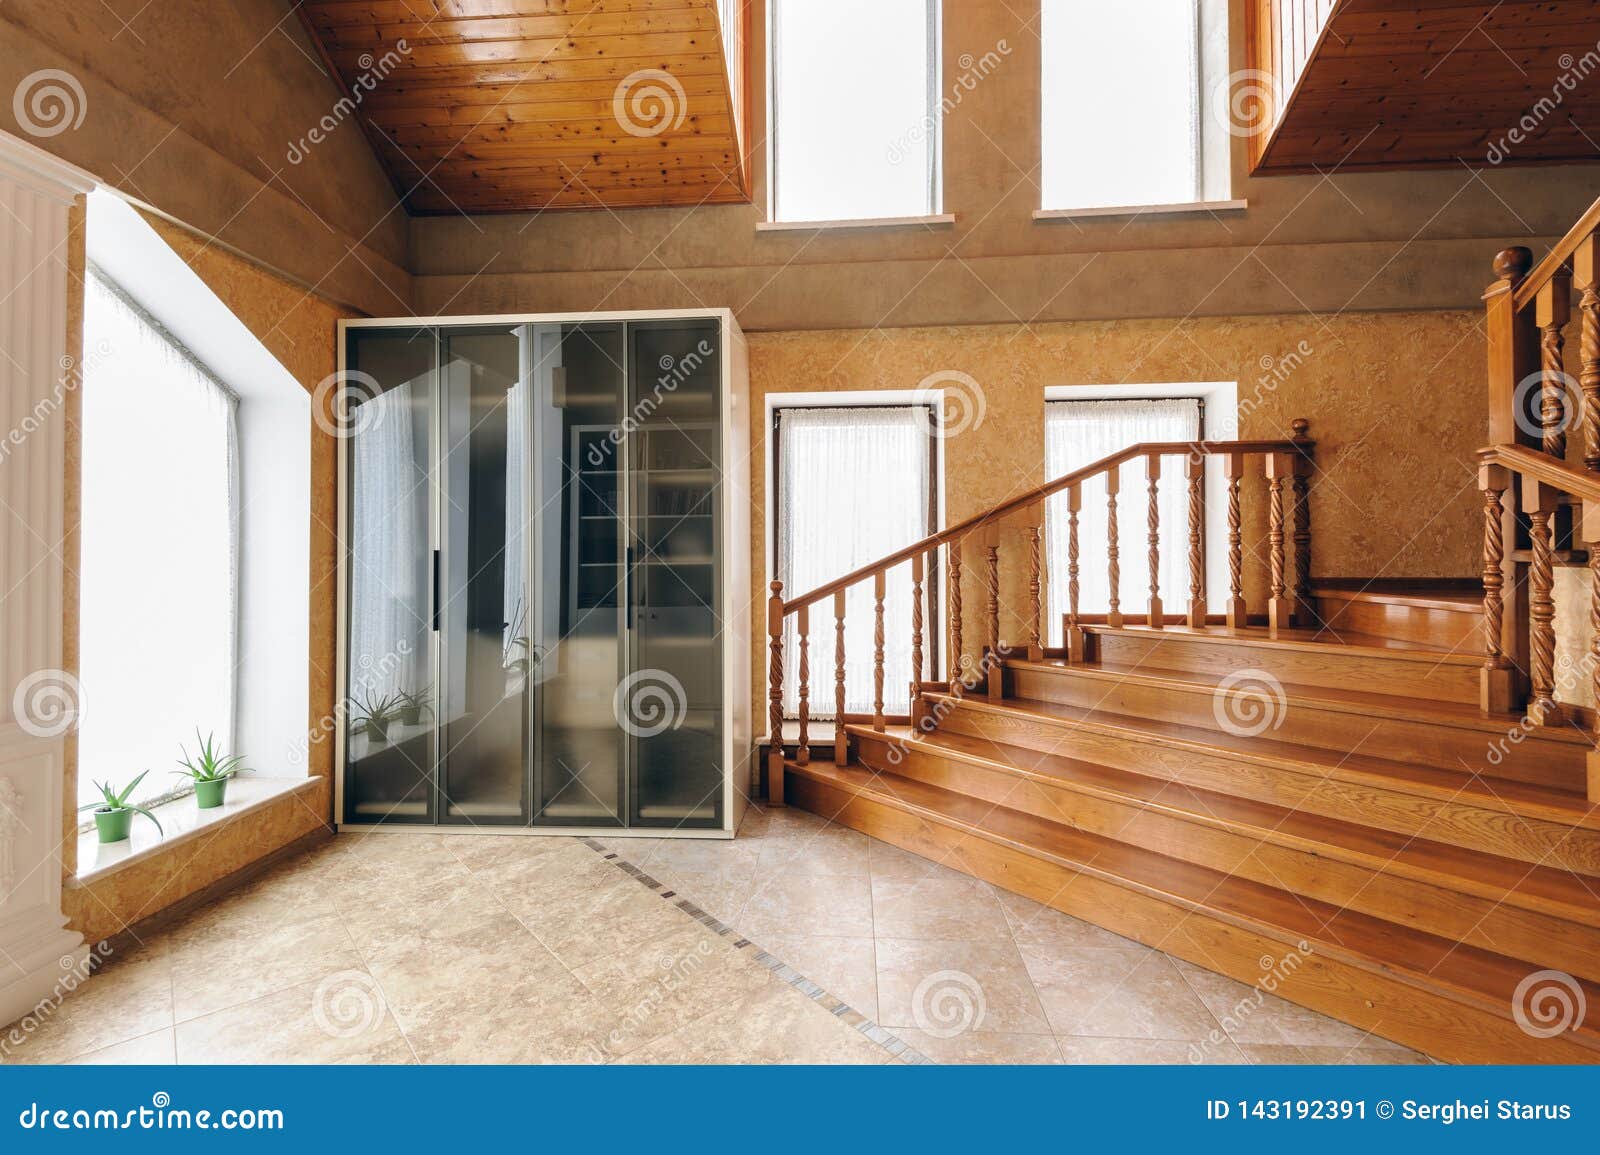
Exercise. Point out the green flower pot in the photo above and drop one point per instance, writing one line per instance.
(113, 825)
(209, 795)
(377, 730)
(411, 716)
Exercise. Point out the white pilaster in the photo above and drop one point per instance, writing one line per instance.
(37, 700)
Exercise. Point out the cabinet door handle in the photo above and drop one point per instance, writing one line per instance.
(627, 585)
(435, 592)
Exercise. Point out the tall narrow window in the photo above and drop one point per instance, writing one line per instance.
(853, 485)
(1121, 103)
(855, 117)
(158, 581)
(1079, 433)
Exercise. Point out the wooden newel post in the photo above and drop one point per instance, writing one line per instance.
(1154, 614)
(775, 695)
(841, 742)
(1539, 502)
(992, 662)
(1303, 466)
(1589, 534)
(1586, 280)
(802, 626)
(1072, 631)
(1035, 585)
(1513, 347)
(1195, 468)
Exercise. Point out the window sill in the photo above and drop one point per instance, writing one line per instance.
(934, 220)
(1141, 210)
(182, 821)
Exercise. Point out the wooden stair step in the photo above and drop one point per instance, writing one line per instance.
(1511, 819)
(1450, 735)
(1448, 615)
(1451, 999)
(1546, 889)
(1305, 657)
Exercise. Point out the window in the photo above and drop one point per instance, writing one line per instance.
(1079, 433)
(158, 586)
(855, 121)
(1121, 92)
(827, 459)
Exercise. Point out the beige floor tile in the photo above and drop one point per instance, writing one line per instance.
(686, 854)
(221, 969)
(831, 905)
(339, 1018)
(657, 987)
(827, 850)
(158, 1048)
(937, 908)
(954, 986)
(129, 997)
(1251, 1015)
(1384, 1056)
(594, 921)
(427, 980)
(844, 967)
(1036, 925)
(777, 1024)
(455, 906)
(1116, 994)
(1088, 1050)
(983, 1047)
(721, 894)
(886, 861)
(1274, 1054)
(543, 1017)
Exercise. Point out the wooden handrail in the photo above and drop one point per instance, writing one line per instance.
(1543, 468)
(1033, 496)
(1528, 288)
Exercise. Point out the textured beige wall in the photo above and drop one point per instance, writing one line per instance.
(1395, 401)
(1399, 241)
(191, 107)
(299, 329)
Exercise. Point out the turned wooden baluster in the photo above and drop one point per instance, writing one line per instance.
(1035, 644)
(877, 651)
(916, 625)
(1279, 608)
(802, 625)
(1539, 503)
(991, 657)
(775, 695)
(1586, 278)
(841, 744)
(1552, 309)
(1072, 632)
(1495, 680)
(1153, 538)
(1302, 526)
(955, 659)
(1113, 553)
(1196, 469)
(1233, 470)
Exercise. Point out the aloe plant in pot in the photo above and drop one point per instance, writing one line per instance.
(113, 814)
(376, 713)
(412, 706)
(209, 770)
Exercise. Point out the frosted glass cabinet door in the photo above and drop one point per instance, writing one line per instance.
(577, 493)
(671, 703)
(483, 703)
(389, 645)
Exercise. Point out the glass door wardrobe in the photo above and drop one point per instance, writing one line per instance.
(545, 581)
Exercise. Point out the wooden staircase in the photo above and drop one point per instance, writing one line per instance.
(1334, 813)
(1375, 798)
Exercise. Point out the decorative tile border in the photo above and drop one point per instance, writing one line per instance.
(896, 1046)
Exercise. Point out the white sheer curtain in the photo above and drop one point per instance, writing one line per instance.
(389, 557)
(1078, 433)
(159, 583)
(1087, 160)
(853, 487)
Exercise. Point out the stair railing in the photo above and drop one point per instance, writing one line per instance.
(1286, 466)
(1539, 503)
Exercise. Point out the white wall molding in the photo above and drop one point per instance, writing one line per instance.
(38, 700)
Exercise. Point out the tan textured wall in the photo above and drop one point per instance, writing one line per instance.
(1398, 241)
(191, 107)
(300, 331)
(1395, 401)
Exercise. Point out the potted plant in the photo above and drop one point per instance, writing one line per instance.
(113, 814)
(410, 707)
(209, 770)
(378, 711)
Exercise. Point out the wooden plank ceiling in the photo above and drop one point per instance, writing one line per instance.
(483, 106)
(1423, 83)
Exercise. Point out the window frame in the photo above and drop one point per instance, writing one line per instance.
(934, 117)
(933, 619)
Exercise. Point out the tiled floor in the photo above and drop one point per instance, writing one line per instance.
(398, 948)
